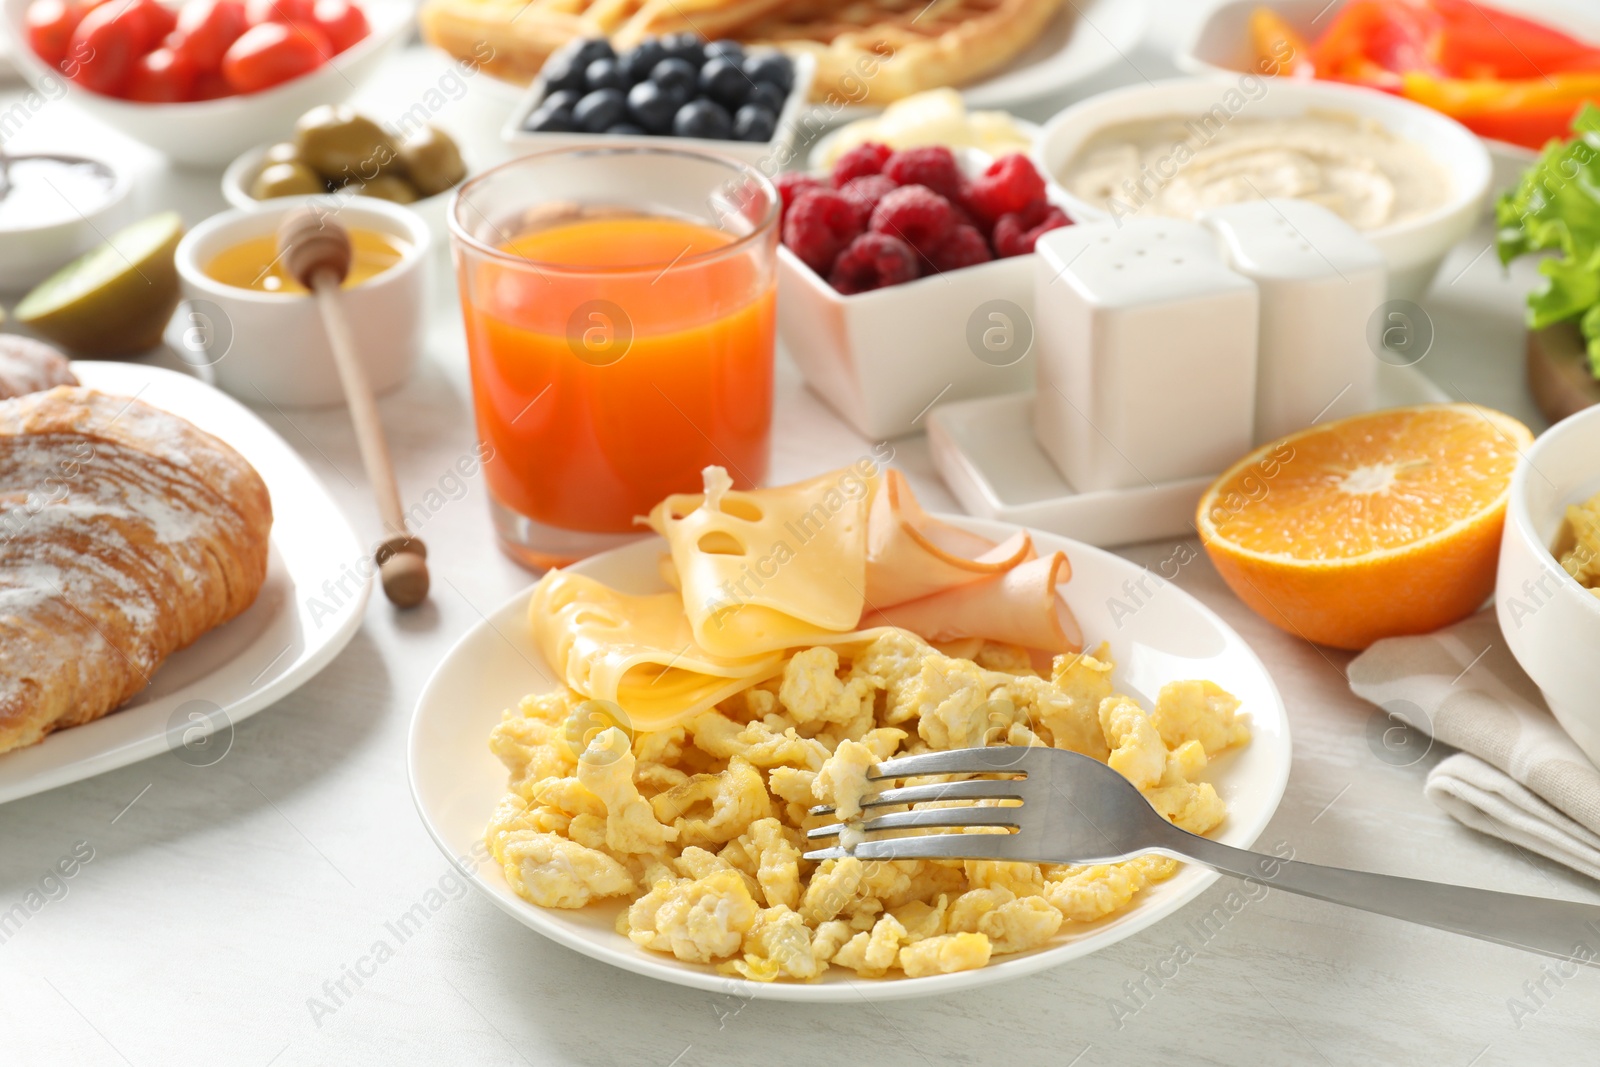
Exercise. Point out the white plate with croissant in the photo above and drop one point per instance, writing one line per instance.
(168, 566)
(669, 711)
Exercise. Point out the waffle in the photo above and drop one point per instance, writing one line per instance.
(511, 39)
(879, 51)
(867, 51)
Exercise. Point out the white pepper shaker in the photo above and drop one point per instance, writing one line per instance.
(1320, 282)
(1146, 345)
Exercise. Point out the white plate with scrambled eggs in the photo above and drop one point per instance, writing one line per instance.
(1155, 634)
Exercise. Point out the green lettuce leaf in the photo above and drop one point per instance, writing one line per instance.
(1556, 209)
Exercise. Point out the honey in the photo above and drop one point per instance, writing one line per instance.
(255, 263)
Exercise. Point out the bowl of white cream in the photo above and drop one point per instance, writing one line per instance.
(1407, 178)
(53, 208)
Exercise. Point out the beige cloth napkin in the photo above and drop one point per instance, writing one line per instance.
(1517, 775)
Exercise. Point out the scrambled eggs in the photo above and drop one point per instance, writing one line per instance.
(1582, 559)
(701, 827)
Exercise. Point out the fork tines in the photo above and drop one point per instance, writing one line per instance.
(1002, 759)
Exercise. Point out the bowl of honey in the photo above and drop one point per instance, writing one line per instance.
(250, 329)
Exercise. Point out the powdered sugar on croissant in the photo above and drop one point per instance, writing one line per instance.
(125, 534)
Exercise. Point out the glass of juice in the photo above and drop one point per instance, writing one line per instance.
(618, 306)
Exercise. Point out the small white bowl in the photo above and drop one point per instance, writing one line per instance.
(211, 132)
(236, 180)
(1412, 249)
(771, 156)
(1551, 623)
(271, 346)
(31, 254)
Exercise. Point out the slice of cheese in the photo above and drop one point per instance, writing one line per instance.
(636, 651)
(763, 570)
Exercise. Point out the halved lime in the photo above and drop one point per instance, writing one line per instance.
(113, 299)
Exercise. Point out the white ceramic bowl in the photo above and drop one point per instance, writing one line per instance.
(1551, 623)
(271, 346)
(31, 254)
(771, 156)
(211, 132)
(882, 358)
(236, 180)
(1412, 249)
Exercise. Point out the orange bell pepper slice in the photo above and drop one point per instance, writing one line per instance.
(1279, 48)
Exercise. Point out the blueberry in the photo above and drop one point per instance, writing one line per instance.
(561, 72)
(638, 61)
(703, 118)
(549, 120)
(723, 81)
(626, 129)
(754, 123)
(564, 69)
(605, 74)
(677, 78)
(591, 49)
(600, 110)
(773, 68)
(652, 107)
(685, 46)
(725, 48)
(564, 99)
(768, 96)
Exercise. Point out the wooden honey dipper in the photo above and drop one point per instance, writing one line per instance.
(316, 252)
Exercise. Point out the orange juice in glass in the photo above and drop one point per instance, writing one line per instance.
(618, 305)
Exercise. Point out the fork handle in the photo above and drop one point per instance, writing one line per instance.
(1565, 929)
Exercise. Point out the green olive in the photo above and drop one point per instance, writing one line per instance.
(282, 152)
(286, 179)
(343, 146)
(432, 161)
(387, 187)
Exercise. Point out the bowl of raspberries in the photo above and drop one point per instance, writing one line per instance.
(896, 271)
(714, 95)
(885, 217)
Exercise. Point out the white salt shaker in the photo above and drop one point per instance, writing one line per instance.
(1146, 345)
(1320, 282)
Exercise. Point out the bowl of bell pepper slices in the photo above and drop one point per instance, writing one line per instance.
(1504, 76)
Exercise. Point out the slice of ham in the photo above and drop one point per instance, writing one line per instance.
(1020, 606)
(912, 555)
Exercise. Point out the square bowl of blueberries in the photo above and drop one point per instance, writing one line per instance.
(714, 95)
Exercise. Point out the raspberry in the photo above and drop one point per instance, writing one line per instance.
(819, 225)
(915, 214)
(1009, 185)
(791, 184)
(933, 166)
(865, 192)
(965, 247)
(1015, 234)
(865, 158)
(873, 261)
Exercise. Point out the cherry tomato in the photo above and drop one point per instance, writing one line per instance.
(259, 11)
(104, 46)
(342, 21)
(205, 30)
(211, 85)
(49, 26)
(160, 77)
(272, 53)
(151, 21)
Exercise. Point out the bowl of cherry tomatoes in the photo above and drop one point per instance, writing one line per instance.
(201, 80)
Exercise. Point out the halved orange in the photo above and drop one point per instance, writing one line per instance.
(1377, 525)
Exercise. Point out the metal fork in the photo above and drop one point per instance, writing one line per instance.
(1077, 810)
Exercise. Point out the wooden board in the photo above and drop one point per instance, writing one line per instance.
(1558, 371)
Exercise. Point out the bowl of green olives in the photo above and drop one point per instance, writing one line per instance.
(335, 149)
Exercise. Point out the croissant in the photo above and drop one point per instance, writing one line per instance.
(125, 534)
(27, 366)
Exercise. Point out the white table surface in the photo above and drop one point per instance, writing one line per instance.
(220, 900)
